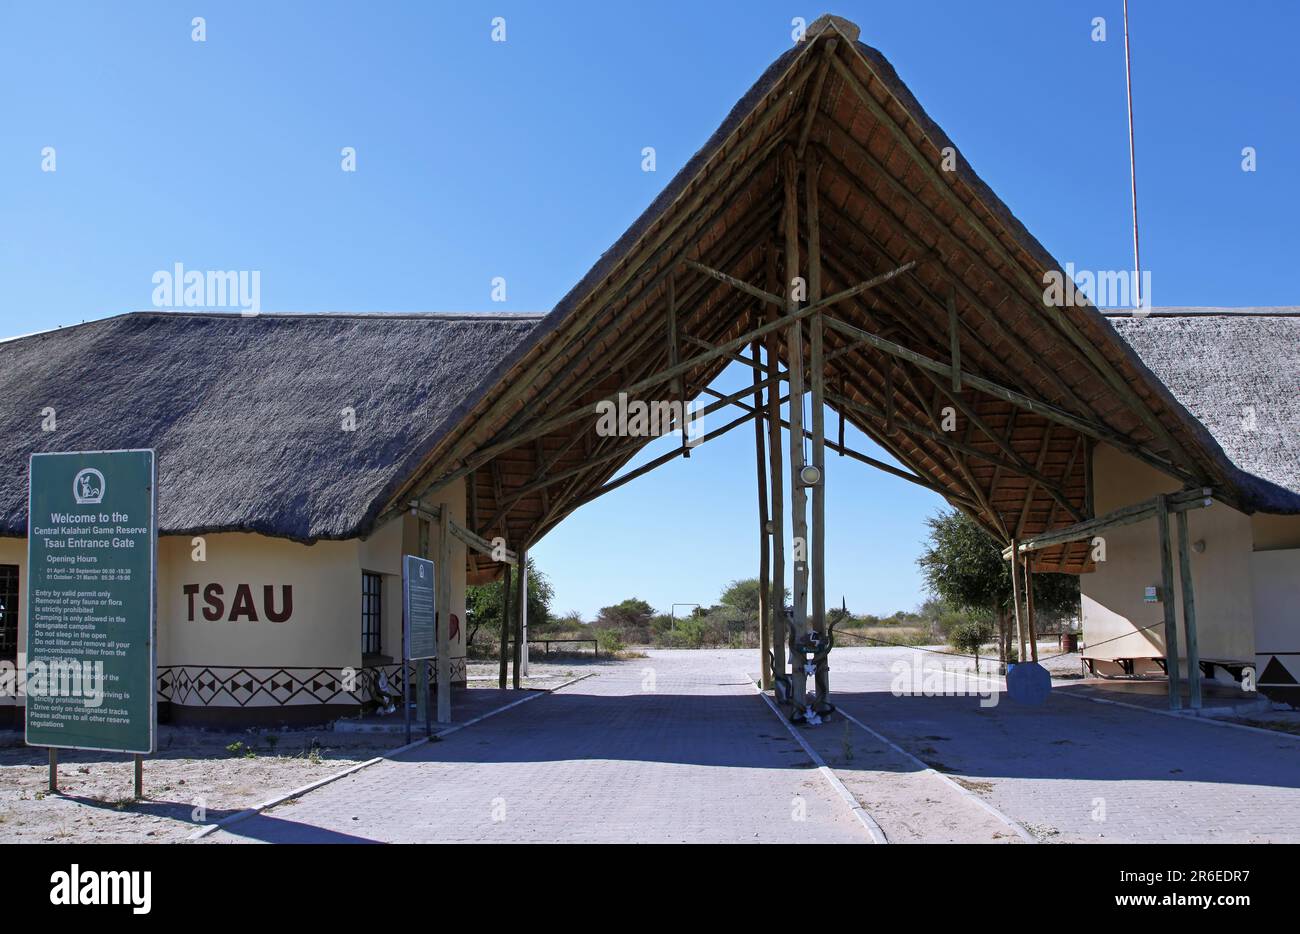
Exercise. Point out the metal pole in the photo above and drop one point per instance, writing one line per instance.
(406, 685)
(1132, 162)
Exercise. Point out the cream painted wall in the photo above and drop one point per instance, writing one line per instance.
(1113, 603)
(1276, 577)
(325, 626)
(1275, 532)
(324, 629)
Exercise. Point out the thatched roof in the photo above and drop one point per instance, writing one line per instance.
(1238, 372)
(887, 195)
(245, 412)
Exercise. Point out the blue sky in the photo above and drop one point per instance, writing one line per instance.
(522, 159)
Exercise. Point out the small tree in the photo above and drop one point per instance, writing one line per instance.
(630, 618)
(483, 604)
(970, 635)
(963, 565)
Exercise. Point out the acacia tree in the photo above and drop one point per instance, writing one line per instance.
(963, 566)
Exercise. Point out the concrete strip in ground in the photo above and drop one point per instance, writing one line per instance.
(859, 811)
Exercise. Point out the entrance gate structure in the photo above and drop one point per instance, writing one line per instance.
(830, 237)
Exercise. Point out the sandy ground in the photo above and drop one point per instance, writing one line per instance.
(196, 777)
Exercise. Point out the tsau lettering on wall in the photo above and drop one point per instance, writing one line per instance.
(242, 607)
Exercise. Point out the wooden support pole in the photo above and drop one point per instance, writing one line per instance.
(798, 492)
(521, 614)
(138, 761)
(54, 771)
(1167, 602)
(775, 460)
(764, 523)
(505, 627)
(818, 379)
(1189, 615)
(1015, 602)
(442, 630)
(1029, 610)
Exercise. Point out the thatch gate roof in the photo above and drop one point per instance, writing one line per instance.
(245, 411)
(885, 199)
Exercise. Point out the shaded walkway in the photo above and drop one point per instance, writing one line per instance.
(697, 759)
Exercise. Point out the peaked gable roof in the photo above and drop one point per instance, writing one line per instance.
(892, 188)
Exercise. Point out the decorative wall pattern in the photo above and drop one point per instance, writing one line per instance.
(227, 686)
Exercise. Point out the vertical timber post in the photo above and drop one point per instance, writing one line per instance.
(521, 612)
(139, 776)
(812, 174)
(54, 770)
(505, 626)
(1030, 626)
(764, 544)
(1015, 599)
(775, 459)
(798, 493)
(1189, 615)
(1167, 603)
(443, 617)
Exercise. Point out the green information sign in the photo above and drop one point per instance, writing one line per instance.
(91, 567)
(418, 607)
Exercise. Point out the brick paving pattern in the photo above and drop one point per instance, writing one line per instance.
(698, 759)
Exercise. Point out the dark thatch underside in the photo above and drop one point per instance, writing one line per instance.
(884, 200)
(245, 412)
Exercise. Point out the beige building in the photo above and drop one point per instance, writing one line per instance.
(1235, 371)
(278, 440)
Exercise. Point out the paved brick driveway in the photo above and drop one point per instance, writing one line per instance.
(698, 759)
(1074, 770)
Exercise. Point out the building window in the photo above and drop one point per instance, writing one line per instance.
(8, 612)
(372, 613)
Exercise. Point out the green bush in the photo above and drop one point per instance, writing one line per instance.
(970, 636)
(609, 642)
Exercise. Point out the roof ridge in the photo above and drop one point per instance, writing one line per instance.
(472, 316)
(1208, 311)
